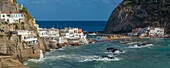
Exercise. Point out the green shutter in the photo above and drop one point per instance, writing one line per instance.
(3, 23)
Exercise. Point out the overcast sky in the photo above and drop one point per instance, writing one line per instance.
(59, 10)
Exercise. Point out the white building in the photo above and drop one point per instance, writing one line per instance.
(60, 40)
(48, 32)
(157, 31)
(53, 32)
(148, 31)
(43, 32)
(13, 18)
(73, 35)
(27, 36)
(66, 35)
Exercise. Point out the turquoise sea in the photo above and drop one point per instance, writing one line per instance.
(156, 55)
(153, 56)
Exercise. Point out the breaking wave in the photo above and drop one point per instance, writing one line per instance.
(136, 46)
(36, 60)
(98, 58)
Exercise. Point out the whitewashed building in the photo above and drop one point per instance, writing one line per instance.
(66, 35)
(48, 32)
(13, 18)
(27, 36)
(148, 31)
(157, 31)
(73, 35)
(60, 40)
(42, 32)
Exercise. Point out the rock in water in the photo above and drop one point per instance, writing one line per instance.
(132, 14)
(113, 50)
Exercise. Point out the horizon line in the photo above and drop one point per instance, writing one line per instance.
(71, 20)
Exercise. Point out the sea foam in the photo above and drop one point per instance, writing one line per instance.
(98, 58)
(38, 60)
(136, 46)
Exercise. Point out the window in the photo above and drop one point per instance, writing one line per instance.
(34, 41)
(3, 15)
(8, 15)
(15, 15)
(25, 37)
(31, 42)
(7, 20)
(22, 15)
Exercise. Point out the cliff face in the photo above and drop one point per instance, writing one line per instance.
(12, 44)
(132, 14)
(11, 63)
(7, 7)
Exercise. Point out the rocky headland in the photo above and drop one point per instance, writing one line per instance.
(131, 14)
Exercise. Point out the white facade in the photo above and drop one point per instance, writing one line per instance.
(148, 31)
(156, 31)
(71, 33)
(48, 32)
(27, 36)
(24, 32)
(13, 18)
(43, 33)
(59, 40)
(53, 33)
(66, 35)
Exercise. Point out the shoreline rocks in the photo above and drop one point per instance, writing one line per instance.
(114, 50)
(143, 44)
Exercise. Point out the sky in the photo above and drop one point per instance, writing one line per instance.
(70, 10)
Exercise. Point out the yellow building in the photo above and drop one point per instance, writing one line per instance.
(36, 25)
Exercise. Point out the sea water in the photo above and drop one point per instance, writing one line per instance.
(156, 55)
(90, 26)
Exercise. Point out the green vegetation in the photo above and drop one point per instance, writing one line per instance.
(1, 36)
(9, 60)
(9, 36)
(15, 1)
(10, 24)
(14, 23)
(19, 36)
(1, 53)
(24, 10)
(22, 23)
(38, 35)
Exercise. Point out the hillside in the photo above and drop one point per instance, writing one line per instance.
(12, 44)
(132, 14)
